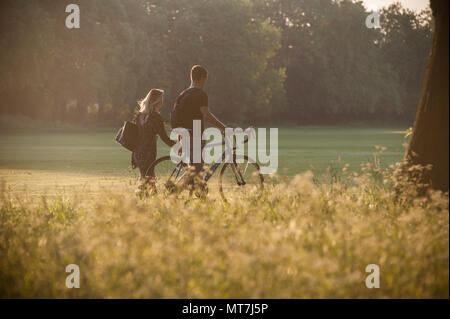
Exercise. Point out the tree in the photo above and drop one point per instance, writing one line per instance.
(405, 46)
(335, 68)
(233, 44)
(270, 61)
(430, 138)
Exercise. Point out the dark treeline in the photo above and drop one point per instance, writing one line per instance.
(270, 61)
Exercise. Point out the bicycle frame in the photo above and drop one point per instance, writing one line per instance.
(237, 173)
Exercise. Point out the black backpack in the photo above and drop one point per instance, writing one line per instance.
(128, 135)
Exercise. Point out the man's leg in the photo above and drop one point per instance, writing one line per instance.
(198, 167)
(195, 174)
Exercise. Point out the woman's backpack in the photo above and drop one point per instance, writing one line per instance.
(128, 136)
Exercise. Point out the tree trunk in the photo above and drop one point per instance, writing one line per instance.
(429, 141)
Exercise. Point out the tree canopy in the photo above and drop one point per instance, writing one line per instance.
(269, 61)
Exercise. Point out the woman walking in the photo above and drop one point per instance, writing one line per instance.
(150, 125)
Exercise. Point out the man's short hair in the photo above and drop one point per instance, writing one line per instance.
(198, 73)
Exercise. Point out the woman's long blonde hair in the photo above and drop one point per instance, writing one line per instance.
(147, 104)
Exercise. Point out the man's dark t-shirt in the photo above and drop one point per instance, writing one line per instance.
(190, 101)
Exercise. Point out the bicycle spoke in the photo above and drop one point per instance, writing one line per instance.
(167, 175)
(240, 180)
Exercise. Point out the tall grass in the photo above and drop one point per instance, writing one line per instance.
(301, 239)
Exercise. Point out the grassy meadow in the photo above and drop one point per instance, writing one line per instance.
(67, 197)
(95, 152)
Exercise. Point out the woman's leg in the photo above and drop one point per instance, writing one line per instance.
(149, 173)
(142, 179)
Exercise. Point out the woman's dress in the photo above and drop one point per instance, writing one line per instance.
(150, 126)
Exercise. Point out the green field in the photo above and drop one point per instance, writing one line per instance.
(62, 160)
(95, 152)
(68, 198)
(57, 161)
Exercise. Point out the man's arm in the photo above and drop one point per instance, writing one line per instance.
(209, 117)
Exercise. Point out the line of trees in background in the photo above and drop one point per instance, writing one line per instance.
(269, 61)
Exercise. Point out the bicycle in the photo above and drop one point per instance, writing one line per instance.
(240, 176)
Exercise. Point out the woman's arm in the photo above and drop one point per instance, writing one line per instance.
(163, 134)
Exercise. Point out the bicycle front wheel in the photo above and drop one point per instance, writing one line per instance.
(240, 179)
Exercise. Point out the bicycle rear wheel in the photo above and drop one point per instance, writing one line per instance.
(240, 180)
(168, 175)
